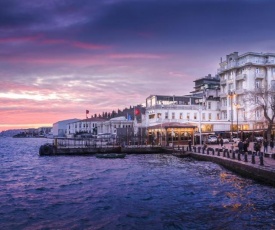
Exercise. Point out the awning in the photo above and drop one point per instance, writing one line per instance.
(210, 133)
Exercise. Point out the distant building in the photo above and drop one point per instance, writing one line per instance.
(60, 127)
(44, 131)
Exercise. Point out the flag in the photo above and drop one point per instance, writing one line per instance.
(129, 118)
(87, 111)
(137, 112)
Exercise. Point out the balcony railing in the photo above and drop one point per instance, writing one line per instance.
(181, 107)
(240, 77)
(240, 91)
(223, 82)
(259, 76)
(222, 94)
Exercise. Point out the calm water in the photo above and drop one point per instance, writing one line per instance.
(138, 192)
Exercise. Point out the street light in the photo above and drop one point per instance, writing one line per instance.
(237, 110)
(200, 123)
(231, 95)
(161, 125)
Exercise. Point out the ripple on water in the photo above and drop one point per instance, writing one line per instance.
(138, 192)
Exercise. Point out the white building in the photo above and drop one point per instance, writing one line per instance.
(238, 74)
(113, 124)
(89, 125)
(60, 129)
(97, 126)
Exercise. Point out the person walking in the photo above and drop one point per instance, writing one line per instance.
(271, 144)
(245, 147)
(189, 144)
(221, 142)
(257, 148)
(265, 144)
(240, 146)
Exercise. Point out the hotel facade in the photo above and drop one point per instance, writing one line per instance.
(216, 105)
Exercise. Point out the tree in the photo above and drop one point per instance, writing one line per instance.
(264, 100)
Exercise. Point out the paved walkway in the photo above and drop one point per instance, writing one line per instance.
(268, 161)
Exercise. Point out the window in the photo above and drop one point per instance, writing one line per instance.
(188, 116)
(257, 84)
(173, 115)
(224, 102)
(218, 116)
(181, 117)
(225, 115)
(151, 116)
(209, 105)
(195, 116)
(159, 115)
(203, 116)
(166, 115)
(257, 70)
(209, 116)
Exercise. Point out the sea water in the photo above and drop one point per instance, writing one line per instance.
(157, 191)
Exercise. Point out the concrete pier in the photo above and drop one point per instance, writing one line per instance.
(253, 166)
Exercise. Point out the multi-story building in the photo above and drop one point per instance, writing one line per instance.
(60, 129)
(238, 75)
(177, 119)
(88, 126)
(98, 126)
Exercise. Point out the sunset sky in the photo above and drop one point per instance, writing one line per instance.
(59, 58)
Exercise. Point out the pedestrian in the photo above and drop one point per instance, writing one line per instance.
(245, 147)
(265, 144)
(257, 147)
(240, 146)
(271, 144)
(221, 142)
(189, 144)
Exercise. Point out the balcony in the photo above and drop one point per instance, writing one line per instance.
(223, 108)
(241, 77)
(259, 76)
(240, 91)
(223, 82)
(223, 94)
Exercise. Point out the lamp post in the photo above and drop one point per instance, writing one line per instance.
(161, 126)
(231, 95)
(237, 110)
(200, 123)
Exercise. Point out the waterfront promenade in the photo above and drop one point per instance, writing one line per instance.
(250, 165)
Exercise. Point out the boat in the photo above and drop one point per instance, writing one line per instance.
(181, 154)
(110, 155)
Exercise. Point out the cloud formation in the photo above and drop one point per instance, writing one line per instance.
(59, 58)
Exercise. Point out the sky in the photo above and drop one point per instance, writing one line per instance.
(59, 58)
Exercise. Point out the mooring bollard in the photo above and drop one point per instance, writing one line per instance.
(253, 158)
(199, 149)
(228, 156)
(245, 157)
(261, 159)
(239, 156)
(233, 155)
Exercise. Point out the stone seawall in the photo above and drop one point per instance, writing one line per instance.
(253, 171)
